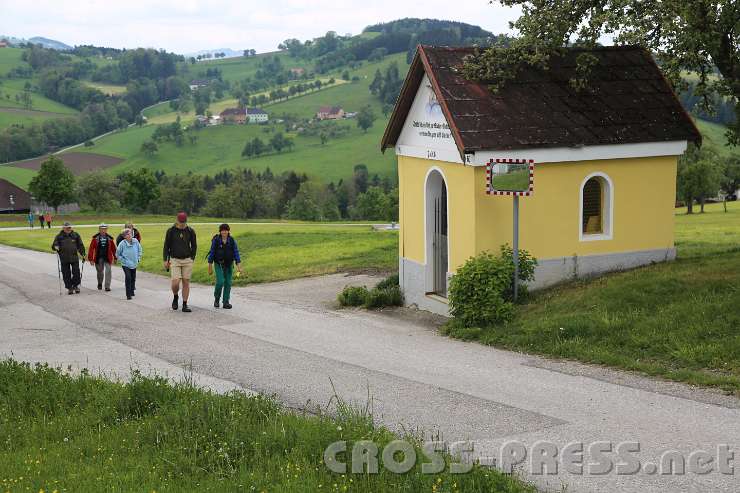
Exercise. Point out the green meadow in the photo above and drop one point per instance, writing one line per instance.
(270, 252)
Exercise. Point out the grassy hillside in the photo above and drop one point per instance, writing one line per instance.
(713, 135)
(238, 68)
(19, 176)
(42, 107)
(220, 147)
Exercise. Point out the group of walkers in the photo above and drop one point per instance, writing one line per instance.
(179, 254)
(43, 218)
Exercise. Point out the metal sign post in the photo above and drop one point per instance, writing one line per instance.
(515, 241)
(514, 177)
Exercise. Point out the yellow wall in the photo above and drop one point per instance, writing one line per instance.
(644, 195)
(461, 197)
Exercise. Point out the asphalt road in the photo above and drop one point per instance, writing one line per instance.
(286, 339)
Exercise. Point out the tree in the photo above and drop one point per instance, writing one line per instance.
(97, 191)
(365, 118)
(139, 188)
(324, 137)
(699, 177)
(374, 205)
(279, 142)
(220, 202)
(149, 148)
(360, 178)
(696, 35)
(140, 120)
(54, 184)
(730, 182)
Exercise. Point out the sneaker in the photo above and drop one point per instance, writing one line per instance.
(227, 305)
(185, 307)
(107, 289)
(100, 286)
(128, 297)
(70, 291)
(77, 289)
(216, 304)
(175, 301)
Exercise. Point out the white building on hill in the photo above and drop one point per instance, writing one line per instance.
(256, 115)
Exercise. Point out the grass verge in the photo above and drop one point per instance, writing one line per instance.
(64, 433)
(677, 320)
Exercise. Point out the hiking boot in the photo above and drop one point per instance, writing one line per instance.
(175, 301)
(227, 305)
(100, 286)
(185, 307)
(216, 304)
(77, 289)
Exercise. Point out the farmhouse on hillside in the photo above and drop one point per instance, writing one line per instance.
(234, 115)
(602, 190)
(3, 43)
(196, 84)
(256, 115)
(13, 198)
(330, 113)
(297, 72)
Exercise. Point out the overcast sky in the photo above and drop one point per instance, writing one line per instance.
(185, 26)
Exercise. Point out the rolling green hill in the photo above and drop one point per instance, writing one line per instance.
(220, 147)
(20, 177)
(42, 108)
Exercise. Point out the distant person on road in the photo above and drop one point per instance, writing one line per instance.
(129, 253)
(47, 218)
(179, 251)
(224, 252)
(68, 246)
(102, 254)
(136, 234)
(31, 219)
(41, 219)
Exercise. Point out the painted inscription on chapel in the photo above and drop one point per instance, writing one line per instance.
(432, 130)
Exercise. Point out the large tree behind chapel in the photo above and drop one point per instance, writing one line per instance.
(701, 36)
(54, 184)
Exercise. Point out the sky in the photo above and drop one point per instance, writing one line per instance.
(185, 26)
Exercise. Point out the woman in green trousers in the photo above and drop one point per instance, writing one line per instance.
(224, 253)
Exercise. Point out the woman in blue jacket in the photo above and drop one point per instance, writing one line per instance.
(224, 252)
(129, 254)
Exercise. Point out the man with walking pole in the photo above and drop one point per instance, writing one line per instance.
(69, 248)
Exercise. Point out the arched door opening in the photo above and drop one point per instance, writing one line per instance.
(436, 234)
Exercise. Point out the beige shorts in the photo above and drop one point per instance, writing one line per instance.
(181, 268)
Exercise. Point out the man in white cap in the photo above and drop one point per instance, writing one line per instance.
(102, 254)
(68, 245)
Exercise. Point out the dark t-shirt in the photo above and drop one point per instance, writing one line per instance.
(103, 247)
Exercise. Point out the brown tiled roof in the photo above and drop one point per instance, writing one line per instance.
(627, 101)
(330, 110)
(233, 111)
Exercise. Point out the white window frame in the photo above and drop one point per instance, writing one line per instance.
(607, 209)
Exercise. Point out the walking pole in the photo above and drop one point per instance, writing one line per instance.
(59, 272)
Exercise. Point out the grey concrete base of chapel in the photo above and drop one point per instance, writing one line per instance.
(412, 275)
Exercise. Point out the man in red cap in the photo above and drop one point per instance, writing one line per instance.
(179, 251)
